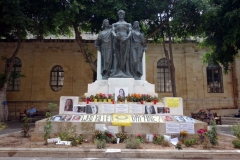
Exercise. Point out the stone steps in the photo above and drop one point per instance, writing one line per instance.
(230, 120)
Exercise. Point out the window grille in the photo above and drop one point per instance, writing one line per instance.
(163, 76)
(214, 78)
(14, 80)
(56, 78)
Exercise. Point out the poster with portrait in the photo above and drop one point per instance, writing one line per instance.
(163, 110)
(189, 119)
(121, 92)
(68, 118)
(67, 103)
(179, 118)
(76, 118)
(92, 109)
(149, 109)
(167, 119)
(56, 118)
(79, 109)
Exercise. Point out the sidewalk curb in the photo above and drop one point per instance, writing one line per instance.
(124, 153)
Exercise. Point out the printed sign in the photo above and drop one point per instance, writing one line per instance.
(121, 120)
(172, 102)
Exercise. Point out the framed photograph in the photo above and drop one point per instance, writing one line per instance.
(76, 118)
(179, 118)
(121, 91)
(167, 118)
(56, 118)
(67, 103)
(160, 110)
(79, 109)
(149, 109)
(92, 109)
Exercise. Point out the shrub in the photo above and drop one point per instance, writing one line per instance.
(2, 126)
(101, 144)
(206, 145)
(212, 134)
(178, 146)
(99, 135)
(26, 126)
(48, 126)
(122, 136)
(133, 143)
(69, 133)
(236, 130)
(139, 137)
(189, 142)
(157, 139)
(236, 143)
(165, 143)
(74, 142)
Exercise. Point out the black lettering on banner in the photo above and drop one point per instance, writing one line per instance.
(107, 118)
(150, 118)
(83, 119)
(159, 118)
(91, 118)
(153, 118)
(98, 118)
(133, 118)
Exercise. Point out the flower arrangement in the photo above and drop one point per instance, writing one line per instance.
(146, 97)
(183, 134)
(201, 133)
(158, 139)
(110, 96)
(139, 137)
(130, 98)
(83, 98)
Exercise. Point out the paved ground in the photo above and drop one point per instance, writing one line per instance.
(50, 158)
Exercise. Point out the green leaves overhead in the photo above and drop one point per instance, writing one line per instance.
(222, 29)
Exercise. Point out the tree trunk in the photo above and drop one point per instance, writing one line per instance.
(172, 64)
(3, 100)
(87, 56)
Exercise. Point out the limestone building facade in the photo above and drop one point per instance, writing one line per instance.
(198, 85)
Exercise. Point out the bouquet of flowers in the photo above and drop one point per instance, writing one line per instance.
(183, 134)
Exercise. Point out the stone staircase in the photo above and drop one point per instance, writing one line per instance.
(230, 120)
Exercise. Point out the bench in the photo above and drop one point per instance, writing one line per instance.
(218, 119)
(39, 115)
(200, 117)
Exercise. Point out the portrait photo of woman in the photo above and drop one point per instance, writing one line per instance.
(76, 118)
(167, 118)
(68, 105)
(121, 93)
(92, 109)
(68, 118)
(149, 109)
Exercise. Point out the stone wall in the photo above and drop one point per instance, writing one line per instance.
(38, 58)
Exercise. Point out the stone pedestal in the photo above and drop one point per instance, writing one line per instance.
(108, 86)
(86, 128)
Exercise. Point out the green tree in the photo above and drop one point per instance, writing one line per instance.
(222, 31)
(13, 23)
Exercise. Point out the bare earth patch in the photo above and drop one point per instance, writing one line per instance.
(17, 141)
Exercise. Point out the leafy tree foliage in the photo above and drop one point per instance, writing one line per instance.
(222, 29)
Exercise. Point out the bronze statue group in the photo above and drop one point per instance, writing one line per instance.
(121, 46)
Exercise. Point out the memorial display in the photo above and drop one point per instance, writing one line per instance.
(121, 97)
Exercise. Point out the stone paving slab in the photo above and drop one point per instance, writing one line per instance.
(125, 153)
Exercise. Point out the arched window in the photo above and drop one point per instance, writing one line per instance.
(214, 78)
(56, 78)
(163, 76)
(14, 81)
